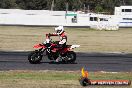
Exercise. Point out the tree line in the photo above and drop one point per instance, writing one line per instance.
(92, 5)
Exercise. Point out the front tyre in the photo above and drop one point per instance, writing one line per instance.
(34, 57)
(71, 56)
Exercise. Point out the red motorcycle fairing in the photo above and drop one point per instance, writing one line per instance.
(39, 46)
(67, 48)
(52, 44)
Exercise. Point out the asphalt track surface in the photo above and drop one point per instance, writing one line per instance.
(110, 62)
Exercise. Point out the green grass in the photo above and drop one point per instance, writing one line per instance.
(38, 75)
(54, 79)
(60, 75)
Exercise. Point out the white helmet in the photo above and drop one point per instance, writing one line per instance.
(59, 30)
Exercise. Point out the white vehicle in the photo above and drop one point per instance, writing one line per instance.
(125, 15)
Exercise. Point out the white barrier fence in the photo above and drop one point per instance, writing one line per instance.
(51, 18)
(21, 19)
(38, 17)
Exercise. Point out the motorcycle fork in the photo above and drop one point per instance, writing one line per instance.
(41, 51)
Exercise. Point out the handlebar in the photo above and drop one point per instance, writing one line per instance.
(49, 34)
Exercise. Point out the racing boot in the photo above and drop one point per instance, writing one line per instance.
(58, 59)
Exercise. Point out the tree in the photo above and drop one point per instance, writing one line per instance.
(98, 8)
(128, 2)
(74, 4)
(21, 4)
(35, 4)
(6, 4)
(94, 5)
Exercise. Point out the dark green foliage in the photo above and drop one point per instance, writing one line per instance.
(36, 4)
(93, 5)
(8, 4)
(98, 8)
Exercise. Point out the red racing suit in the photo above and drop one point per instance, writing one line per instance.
(62, 37)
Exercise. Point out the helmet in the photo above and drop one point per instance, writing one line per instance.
(59, 30)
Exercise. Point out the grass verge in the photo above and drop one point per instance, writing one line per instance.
(54, 79)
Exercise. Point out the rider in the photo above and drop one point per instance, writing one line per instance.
(62, 36)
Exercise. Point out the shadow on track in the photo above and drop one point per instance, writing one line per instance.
(52, 62)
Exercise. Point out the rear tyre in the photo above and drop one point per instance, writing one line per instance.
(71, 57)
(34, 57)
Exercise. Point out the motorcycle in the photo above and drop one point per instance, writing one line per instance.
(66, 54)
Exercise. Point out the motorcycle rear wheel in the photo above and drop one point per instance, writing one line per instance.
(71, 57)
(34, 57)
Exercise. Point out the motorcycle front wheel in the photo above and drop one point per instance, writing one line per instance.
(34, 57)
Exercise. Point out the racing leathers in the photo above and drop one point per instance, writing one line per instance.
(62, 41)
